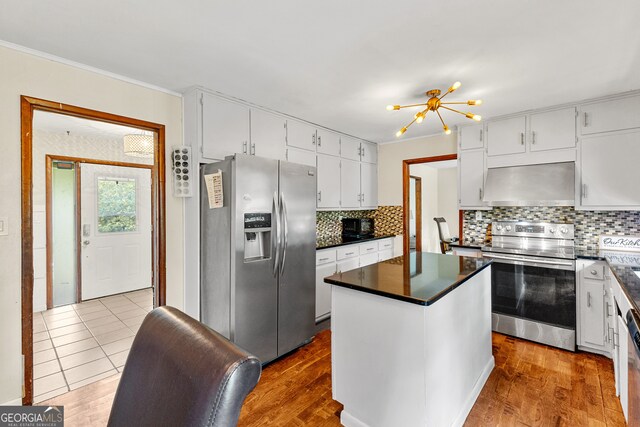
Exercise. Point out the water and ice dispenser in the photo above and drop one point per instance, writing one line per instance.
(257, 236)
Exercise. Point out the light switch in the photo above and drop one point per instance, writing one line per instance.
(4, 226)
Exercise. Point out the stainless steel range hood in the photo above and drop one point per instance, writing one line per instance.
(550, 184)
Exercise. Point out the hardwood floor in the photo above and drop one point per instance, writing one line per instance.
(531, 385)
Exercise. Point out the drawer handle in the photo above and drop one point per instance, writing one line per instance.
(349, 253)
(323, 259)
(369, 249)
(594, 272)
(588, 299)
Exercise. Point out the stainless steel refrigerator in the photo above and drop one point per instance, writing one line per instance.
(258, 254)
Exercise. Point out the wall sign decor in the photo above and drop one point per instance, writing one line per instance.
(620, 243)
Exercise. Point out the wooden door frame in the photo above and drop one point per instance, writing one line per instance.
(28, 106)
(405, 195)
(418, 212)
(77, 161)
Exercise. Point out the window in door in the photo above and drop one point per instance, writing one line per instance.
(116, 205)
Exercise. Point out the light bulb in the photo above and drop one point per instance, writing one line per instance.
(477, 118)
(447, 131)
(419, 117)
(455, 86)
(393, 107)
(401, 131)
(474, 102)
(478, 102)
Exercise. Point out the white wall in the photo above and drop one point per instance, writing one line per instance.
(448, 198)
(24, 74)
(390, 157)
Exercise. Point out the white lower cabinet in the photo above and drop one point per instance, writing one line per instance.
(345, 258)
(593, 332)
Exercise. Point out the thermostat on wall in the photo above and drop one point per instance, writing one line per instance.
(181, 166)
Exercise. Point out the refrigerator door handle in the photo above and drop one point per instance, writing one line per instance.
(275, 235)
(285, 232)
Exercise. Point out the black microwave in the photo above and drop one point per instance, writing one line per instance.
(357, 226)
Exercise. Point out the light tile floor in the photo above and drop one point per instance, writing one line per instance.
(75, 345)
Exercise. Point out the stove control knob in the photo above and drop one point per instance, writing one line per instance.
(498, 227)
(508, 228)
(552, 230)
(564, 230)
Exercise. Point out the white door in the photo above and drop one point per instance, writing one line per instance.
(268, 135)
(225, 127)
(614, 114)
(115, 229)
(591, 313)
(328, 181)
(369, 185)
(369, 152)
(471, 137)
(328, 142)
(506, 136)
(471, 177)
(609, 169)
(301, 135)
(553, 130)
(349, 148)
(350, 184)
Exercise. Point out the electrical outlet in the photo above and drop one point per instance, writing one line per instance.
(478, 215)
(4, 226)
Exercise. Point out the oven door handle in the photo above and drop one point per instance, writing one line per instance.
(558, 265)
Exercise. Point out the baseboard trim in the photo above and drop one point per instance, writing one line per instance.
(477, 388)
(348, 420)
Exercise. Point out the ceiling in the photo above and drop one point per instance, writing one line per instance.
(339, 63)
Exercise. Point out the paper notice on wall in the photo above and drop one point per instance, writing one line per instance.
(214, 189)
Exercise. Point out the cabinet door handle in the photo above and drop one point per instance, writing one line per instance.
(362, 199)
(584, 191)
(521, 138)
(589, 299)
(313, 139)
(616, 342)
(533, 137)
(253, 148)
(480, 134)
(359, 151)
(480, 194)
(608, 311)
(320, 195)
(586, 119)
(244, 147)
(594, 272)
(319, 141)
(362, 151)
(359, 197)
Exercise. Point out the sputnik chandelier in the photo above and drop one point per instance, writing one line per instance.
(433, 104)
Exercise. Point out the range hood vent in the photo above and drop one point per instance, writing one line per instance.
(550, 184)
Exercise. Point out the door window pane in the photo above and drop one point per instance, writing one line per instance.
(116, 205)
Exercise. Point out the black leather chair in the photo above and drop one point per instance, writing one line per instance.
(181, 373)
(445, 235)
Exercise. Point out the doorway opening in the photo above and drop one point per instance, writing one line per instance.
(430, 188)
(93, 241)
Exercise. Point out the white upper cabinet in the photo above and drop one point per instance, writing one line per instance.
(471, 137)
(328, 142)
(328, 181)
(268, 135)
(225, 127)
(369, 185)
(349, 148)
(350, 184)
(506, 136)
(614, 114)
(471, 178)
(301, 135)
(609, 170)
(368, 152)
(552, 130)
(302, 157)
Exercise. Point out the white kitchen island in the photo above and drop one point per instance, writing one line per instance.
(411, 340)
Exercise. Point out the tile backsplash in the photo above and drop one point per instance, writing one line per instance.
(387, 219)
(589, 225)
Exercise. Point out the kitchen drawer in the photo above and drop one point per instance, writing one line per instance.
(325, 256)
(594, 271)
(368, 248)
(385, 254)
(385, 244)
(348, 251)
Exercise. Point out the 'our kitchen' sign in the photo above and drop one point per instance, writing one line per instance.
(620, 243)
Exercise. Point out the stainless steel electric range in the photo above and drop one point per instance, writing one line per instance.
(533, 281)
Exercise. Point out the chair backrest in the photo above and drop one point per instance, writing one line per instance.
(443, 229)
(181, 373)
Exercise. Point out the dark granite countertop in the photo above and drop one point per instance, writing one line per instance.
(470, 244)
(334, 241)
(429, 276)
